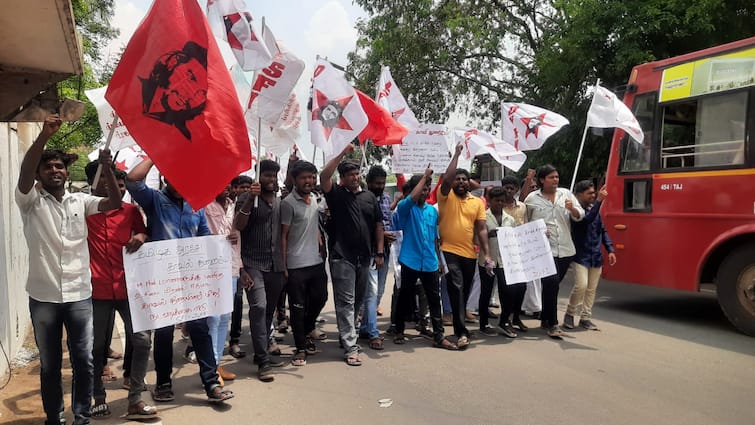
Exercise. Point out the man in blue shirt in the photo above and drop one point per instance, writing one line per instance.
(419, 258)
(170, 217)
(588, 236)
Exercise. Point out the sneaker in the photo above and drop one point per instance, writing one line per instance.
(555, 332)
(190, 356)
(507, 330)
(265, 373)
(588, 324)
(162, 393)
(489, 331)
(568, 321)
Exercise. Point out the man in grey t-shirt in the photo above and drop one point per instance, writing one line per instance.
(301, 242)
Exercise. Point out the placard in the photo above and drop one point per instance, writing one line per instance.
(425, 145)
(178, 280)
(525, 252)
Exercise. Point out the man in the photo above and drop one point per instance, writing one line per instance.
(220, 221)
(557, 207)
(518, 211)
(588, 235)
(420, 250)
(239, 185)
(108, 233)
(169, 216)
(462, 217)
(262, 257)
(302, 243)
(376, 284)
(59, 281)
(355, 231)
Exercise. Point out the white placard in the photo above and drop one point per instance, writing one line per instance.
(427, 144)
(178, 280)
(525, 252)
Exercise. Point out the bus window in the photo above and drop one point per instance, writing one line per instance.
(706, 132)
(635, 156)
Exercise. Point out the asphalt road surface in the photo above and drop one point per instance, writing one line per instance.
(661, 357)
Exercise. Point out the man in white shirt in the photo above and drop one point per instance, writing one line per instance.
(59, 281)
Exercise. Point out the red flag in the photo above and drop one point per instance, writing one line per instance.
(174, 94)
(382, 129)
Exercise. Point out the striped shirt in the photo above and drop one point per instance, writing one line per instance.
(261, 239)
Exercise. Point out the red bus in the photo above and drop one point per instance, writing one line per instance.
(681, 209)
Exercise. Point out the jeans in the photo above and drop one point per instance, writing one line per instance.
(461, 271)
(201, 341)
(307, 289)
(48, 320)
(586, 281)
(236, 316)
(263, 299)
(431, 285)
(139, 347)
(218, 328)
(349, 285)
(372, 295)
(550, 292)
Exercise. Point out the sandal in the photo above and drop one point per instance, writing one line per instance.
(399, 339)
(101, 410)
(236, 352)
(299, 359)
(353, 359)
(141, 410)
(463, 342)
(376, 343)
(445, 344)
(219, 395)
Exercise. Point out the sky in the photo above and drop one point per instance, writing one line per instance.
(307, 27)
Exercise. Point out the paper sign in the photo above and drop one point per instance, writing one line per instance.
(426, 145)
(178, 280)
(525, 252)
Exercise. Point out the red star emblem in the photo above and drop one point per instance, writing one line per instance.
(121, 165)
(533, 124)
(330, 112)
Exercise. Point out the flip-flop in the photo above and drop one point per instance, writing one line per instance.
(101, 411)
(353, 360)
(219, 395)
(144, 412)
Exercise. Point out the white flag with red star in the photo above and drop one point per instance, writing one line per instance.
(478, 142)
(527, 127)
(231, 20)
(606, 111)
(390, 97)
(337, 116)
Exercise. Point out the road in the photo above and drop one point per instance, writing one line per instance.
(661, 357)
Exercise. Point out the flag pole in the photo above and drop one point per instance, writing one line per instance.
(259, 134)
(582, 144)
(98, 174)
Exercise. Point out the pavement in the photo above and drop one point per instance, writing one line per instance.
(661, 357)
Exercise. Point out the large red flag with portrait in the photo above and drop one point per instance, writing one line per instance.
(174, 94)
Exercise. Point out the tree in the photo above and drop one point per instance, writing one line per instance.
(469, 55)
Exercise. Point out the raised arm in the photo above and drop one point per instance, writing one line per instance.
(113, 200)
(327, 172)
(450, 175)
(417, 191)
(140, 172)
(30, 162)
(241, 220)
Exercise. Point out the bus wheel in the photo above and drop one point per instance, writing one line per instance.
(736, 288)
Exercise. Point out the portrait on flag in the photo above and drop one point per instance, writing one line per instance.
(476, 142)
(527, 127)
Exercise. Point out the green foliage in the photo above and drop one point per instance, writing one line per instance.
(469, 55)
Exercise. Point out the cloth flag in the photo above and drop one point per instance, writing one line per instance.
(337, 116)
(527, 127)
(478, 142)
(105, 114)
(389, 97)
(174, 94)
(382, 129)
(281, 137)
(233, 23)
(606, 111)
(274, 83)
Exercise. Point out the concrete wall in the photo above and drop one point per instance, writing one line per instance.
(14, 255)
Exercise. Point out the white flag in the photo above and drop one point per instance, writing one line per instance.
(527, 127)
(274, 83)
(606, 111)
(337, 115)
(390, 97)
(105, 114)
(230, 20)
(478, 142)
(281, 137)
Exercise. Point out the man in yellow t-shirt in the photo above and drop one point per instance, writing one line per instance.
(462, 217)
